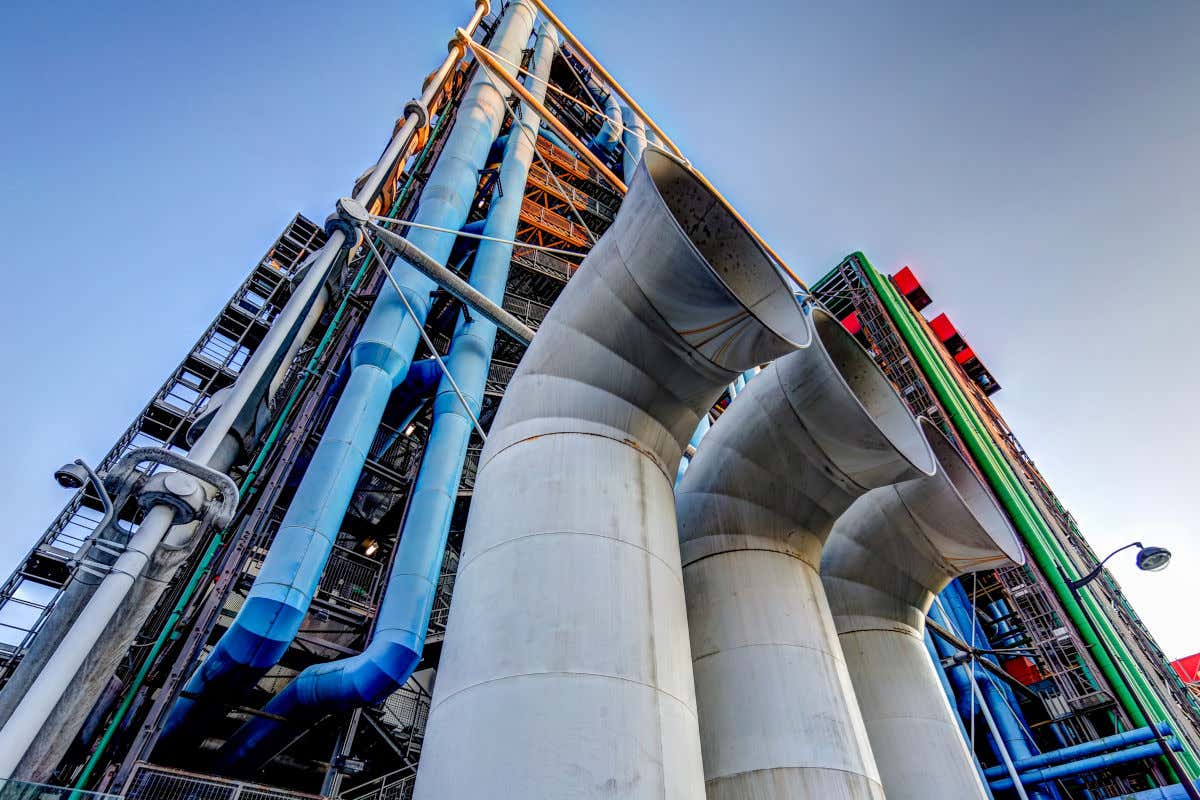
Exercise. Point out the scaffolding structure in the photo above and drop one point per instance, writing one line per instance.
(372, 752)
(1074, 705)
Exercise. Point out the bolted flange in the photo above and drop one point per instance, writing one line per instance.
(183, 493)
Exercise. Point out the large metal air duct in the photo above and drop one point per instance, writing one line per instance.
(888, 556)
(280, 596)
(566, 670)
(810, 434)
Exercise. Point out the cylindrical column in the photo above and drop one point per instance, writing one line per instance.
(808, 435)
(565, 671)
(887, 558)
(918, 747)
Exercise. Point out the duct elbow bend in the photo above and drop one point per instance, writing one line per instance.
(568, 604)
(670, 305)
(898, 546)
(320, 690)
(817, 429)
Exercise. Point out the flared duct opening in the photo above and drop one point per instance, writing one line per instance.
(976, 497)
(729, 249)
(874, 393)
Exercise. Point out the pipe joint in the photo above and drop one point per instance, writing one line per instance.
(416, 108)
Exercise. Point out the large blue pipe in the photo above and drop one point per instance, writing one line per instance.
(1116, 741)
(279, 599)
(610, 132)
(399, 638)
(949, 691)
(1000, 700)
(1085, 765)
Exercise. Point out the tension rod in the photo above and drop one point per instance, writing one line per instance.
(425, 337)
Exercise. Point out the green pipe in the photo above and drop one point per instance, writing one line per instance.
(1042, 543)
(168, 631)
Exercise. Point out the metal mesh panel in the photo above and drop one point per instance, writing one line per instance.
(158, 783)
(23, 790)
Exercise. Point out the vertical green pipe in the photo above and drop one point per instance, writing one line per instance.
(1041, 541)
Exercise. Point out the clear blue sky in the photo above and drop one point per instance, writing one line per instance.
(1038, 167)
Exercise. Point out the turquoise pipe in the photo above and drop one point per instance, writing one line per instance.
(279, 599)
(399, 638)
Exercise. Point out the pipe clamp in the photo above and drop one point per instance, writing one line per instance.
(418, 109)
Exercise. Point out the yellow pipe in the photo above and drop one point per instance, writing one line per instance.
(497, 70)
(616, 87)
(494, 67)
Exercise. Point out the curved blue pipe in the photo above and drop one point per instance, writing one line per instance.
(399, 639)
(279, 599)
(962, 731)
(554, 138)
(1113, 742)
(610, 132)
(1084, 765)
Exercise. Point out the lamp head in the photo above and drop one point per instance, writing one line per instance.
(71, 476)
(1153, 559)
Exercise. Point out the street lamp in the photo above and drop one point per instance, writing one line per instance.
(1149, 559)
(76, 475)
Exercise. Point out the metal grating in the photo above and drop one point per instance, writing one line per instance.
(149, 782)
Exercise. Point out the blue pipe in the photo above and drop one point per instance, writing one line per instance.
(1000, 699)
(611, 131)
(279, 599)
(554, 139)
(399, 639)
(698, 434)
(1084, 765)
(945, 681)
(1113, 742)
(1173, 792)
(634, 138)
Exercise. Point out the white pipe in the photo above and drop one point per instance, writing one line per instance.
(565, 671)
(887, 558)
(812, 432)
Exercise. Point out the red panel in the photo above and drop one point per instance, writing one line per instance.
(1023, 669)
(906, 282)
(964, 355)
(942, 326)
(852, 323)
(1188, 669)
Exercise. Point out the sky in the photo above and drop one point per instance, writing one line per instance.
(1038, 166)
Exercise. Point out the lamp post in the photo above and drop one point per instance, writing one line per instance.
(1149, 559)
